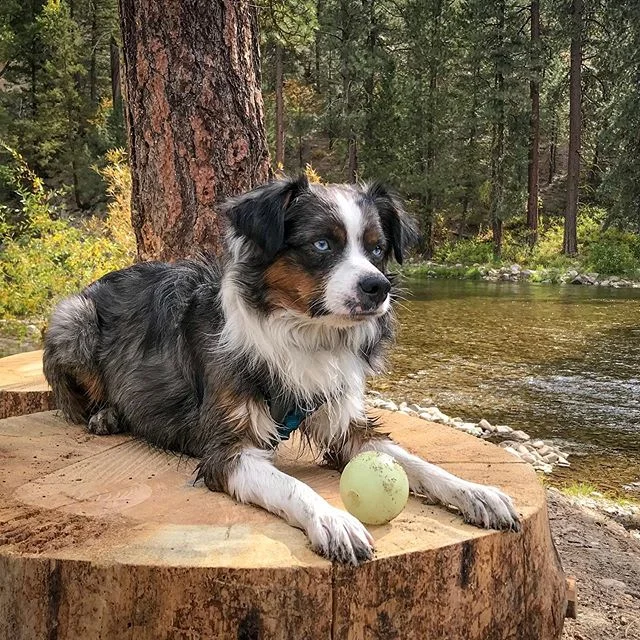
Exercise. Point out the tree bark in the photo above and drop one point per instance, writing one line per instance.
(194, 115)
(279, 107)
(346, 63)
(116, 89)
(93, 64)
(497, 142)
(570, 242)
(553, 147)
(534, 125)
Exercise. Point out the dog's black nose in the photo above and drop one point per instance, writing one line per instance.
(373, 290)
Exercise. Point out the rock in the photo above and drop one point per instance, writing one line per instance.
(633, 487)
(544, 450)
(415, 407)
(512, 451)
(528, 457)
(390, 406)
(563, 462)
(508, 443)
(537, 444)
(376, 394)
(378, 403)
(612, 583)
(550, 458)
(425, 415)
(485, 425)
(422, 372)
(503, 429)
(515, 268)
(425, 402)
(520, 436)
(542, 466)
(522, 449)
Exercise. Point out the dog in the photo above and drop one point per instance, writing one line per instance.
(224, 360)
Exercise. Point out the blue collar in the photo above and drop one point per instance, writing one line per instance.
(291, 421)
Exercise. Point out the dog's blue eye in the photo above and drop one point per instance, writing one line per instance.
(377, 252)
(321, 245)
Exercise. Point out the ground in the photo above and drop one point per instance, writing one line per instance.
(605, 559)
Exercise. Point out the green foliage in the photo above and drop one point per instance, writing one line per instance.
(44, 256)
(55, 95)
(466, 252)
(614, 253)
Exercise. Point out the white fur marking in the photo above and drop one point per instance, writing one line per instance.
(481, 505)
(309, 356)
(342, 284)
(332, 532)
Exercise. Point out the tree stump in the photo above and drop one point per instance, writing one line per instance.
(106, 537)
(23, 388)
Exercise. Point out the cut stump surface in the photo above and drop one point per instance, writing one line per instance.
(105, 537)
(23, 388)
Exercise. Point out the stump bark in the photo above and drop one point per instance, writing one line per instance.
(23, 388)
(107, 537)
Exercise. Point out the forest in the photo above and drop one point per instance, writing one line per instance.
(511, 128)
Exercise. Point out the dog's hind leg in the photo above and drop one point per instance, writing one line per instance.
(69, 358)
(105, 422)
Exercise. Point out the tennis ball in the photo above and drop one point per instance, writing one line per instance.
(374, 487)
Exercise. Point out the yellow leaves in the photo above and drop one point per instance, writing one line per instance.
(55, 257)
(311, 174)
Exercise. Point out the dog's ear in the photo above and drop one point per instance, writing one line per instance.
(260, 214)
(400, 230)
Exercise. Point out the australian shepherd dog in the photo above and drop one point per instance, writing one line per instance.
(223, 360)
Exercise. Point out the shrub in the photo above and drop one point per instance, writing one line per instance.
(466, 252)
(614, 253)
(45, 257)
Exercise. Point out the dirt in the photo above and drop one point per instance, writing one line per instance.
(605, 559)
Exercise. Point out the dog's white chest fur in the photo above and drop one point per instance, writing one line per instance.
(311, 360)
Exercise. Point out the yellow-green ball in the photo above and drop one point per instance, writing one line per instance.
(374, 487)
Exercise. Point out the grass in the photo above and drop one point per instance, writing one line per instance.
(585, 490)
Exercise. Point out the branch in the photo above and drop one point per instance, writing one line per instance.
(4, 69)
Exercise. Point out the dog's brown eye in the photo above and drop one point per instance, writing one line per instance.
(322, 245)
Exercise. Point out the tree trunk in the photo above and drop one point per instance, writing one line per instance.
(347, 104)
(497, 142)
(195, 118)
(279, 107)
(116, 89)
(534, 125)
(570, 242)
(553, 147)
(93, 63)
(318, 45)
(104, 537)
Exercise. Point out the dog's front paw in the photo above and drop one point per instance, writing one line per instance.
(340, 537)
(486, 507)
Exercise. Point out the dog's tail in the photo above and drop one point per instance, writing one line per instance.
(69, 363)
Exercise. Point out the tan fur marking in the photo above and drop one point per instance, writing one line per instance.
(289, 286)
(92, 386)
(371, 238)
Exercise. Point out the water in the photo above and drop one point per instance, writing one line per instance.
(557, 362)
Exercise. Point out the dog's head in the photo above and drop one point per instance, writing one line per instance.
(318, 250)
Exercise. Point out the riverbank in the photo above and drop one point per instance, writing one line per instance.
(605, 560)
(516, 273)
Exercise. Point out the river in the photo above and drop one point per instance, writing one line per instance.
(559, 362)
